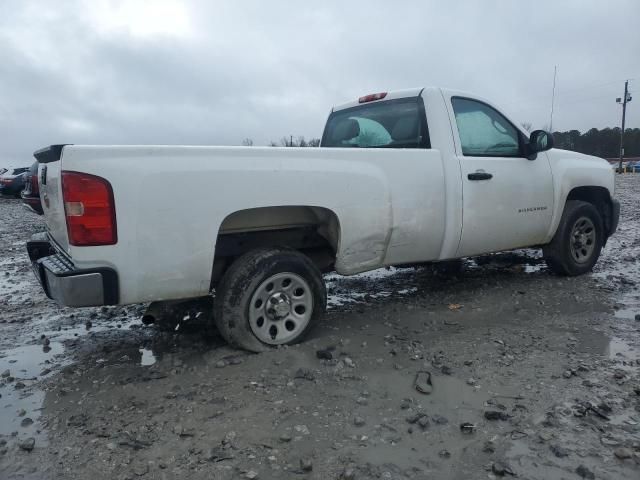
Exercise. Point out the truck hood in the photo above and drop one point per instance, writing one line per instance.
(555, 153)
(573, 168)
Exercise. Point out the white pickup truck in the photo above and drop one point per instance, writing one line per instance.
(407, 177)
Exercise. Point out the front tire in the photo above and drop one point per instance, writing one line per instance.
(576, 246)
(269, 297)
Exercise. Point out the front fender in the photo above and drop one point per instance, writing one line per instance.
(572, 170)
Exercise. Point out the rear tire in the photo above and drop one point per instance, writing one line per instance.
(576, 246)
(269, 297)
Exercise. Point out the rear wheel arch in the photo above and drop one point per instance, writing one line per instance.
(312, 230)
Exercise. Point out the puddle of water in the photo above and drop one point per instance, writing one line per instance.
(624, 354)
(592, 341)
(451, 396)
(534, 268)
(518, 449)
(407, 291)
(631, 302)
(11, 403)
(524, 459)
(25, 364)
(148, 357)
(455, 394)
(615, 348)
(629, 312)
(624, 419)
(357, 287)
(29, 360)
(372, 275)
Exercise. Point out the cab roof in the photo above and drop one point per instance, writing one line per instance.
(409, 92)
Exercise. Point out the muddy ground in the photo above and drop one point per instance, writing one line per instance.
(542, 370)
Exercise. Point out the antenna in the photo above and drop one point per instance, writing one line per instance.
(553, 98)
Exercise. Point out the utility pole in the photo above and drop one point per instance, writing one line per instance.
(626, 99)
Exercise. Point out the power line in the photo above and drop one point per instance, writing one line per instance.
(589, 87)
(581, 99)
(560, 102)
(562, 93)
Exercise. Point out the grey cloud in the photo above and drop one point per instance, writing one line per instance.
(267, 69)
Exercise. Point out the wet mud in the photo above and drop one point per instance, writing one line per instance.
(533, 375)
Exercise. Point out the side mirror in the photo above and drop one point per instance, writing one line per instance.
(539, 141)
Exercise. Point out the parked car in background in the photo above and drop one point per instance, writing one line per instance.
(31, 193)
(12, 181)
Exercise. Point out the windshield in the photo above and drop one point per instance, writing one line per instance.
(390, 124)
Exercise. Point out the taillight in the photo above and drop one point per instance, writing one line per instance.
(372, 97)
(34, 183)
(90, 210)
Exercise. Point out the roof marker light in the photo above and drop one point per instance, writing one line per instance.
(372, 97)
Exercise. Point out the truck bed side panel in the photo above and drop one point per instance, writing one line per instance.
(171, 201)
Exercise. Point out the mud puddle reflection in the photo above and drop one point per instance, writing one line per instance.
(22, 367)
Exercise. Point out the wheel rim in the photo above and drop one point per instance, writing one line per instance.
(583, 240)
(281, 308)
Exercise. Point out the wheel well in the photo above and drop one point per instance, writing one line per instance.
(315, 231)
(597, 196)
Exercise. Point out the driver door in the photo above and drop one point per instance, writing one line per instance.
(507, 199)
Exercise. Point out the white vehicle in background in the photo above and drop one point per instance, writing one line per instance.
(407, 177)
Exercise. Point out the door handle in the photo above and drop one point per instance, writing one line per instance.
(480, 176)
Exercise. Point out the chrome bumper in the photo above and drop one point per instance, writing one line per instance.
(66, 284)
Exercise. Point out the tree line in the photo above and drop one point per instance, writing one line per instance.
(287, 142)
(603, 143)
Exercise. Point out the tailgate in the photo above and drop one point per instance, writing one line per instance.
(49, 169)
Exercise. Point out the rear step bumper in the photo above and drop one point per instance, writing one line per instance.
(65, 283)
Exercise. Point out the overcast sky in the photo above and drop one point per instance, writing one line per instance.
(204, 72)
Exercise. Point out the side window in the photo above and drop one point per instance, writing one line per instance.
(484, 132)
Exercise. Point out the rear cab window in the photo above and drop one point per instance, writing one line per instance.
(398, 123)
